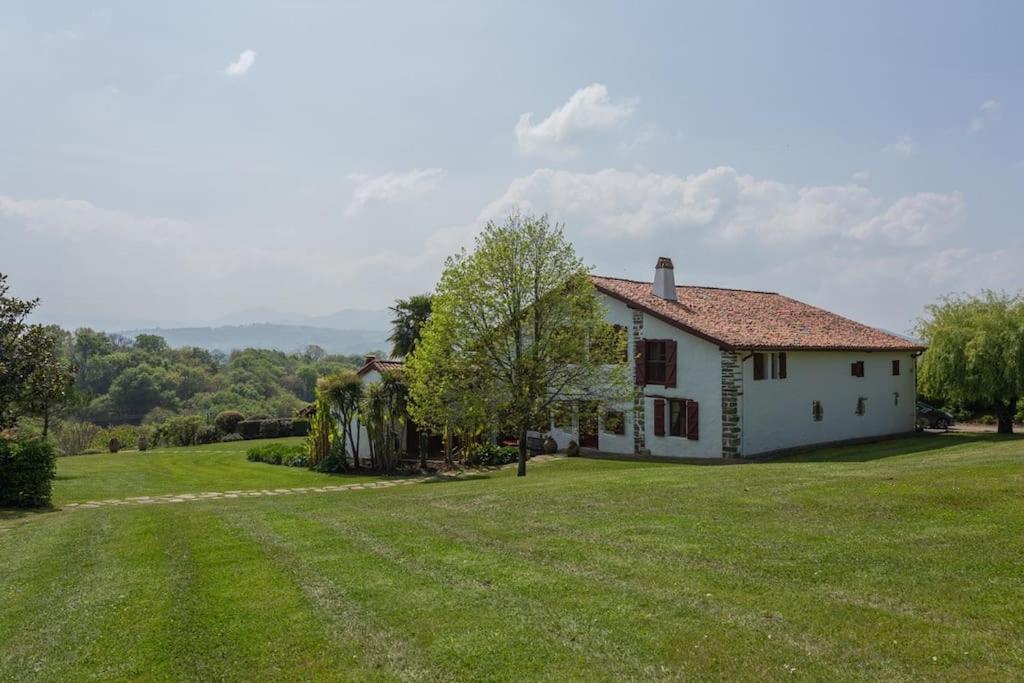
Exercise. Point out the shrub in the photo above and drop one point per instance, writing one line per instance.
(1020, 414)
(550, 446)
(573, 449)
(27, 468)
(300, 427)
(125, 434)
(232, 437)
(179, 430)
(987, 420)
(142, 443)
(158, 415)
(227, 421)
(114, 444)
(207, 434)
(249, 429)
(74, 437)
(292, 455)
(491, 455)
(269, 429)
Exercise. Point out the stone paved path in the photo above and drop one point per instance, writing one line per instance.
(257, 493)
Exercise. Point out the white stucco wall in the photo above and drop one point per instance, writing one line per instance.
(777, 414)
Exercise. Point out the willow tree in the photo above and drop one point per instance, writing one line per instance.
(522, 320)
(975, 353)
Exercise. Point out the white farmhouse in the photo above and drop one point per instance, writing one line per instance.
(733, 373)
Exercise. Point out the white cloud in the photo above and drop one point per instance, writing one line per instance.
(392, 187)
(588, 109)
(861, 177)
(241, 66)
(723, 205)
(903, 148)
(988, 114)
(78, 220)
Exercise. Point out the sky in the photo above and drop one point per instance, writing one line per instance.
(179, 163)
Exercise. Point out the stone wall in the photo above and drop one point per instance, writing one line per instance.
(732, 393)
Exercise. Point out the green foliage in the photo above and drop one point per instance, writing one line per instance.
(227, 420)
(139, 389)
(383, 411)
(491, 455)
(987, 420)
(180, 430)
(249, 429)
(232, 437)
(323, 432)
(125, 434)
(572, 450)
(516, 325)
(292, 455)
(300, 427)
(142, 443)
(410, 316)
(114, 444)
(27, 469)
(158, 415)
(343, 394)
(975, 355)
(74, 437)
(207, 434)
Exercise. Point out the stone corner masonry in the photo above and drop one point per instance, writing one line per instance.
(732, 391)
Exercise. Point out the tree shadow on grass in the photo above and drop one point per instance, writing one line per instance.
(12, 514)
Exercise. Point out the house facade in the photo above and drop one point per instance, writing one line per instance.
(734, 373)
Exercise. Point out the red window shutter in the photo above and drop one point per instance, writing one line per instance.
(692, 420)
(659, 417)
(670, 363)
(639, 356)
(782, 365)
(758, 366)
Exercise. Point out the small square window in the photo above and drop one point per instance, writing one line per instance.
(857, 368)
(895, 368)
(862, 406)
(817, 412)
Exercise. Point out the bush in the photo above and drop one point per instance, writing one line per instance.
(232, 437)
(249, 429)
(27, 468)
(573, 449)
(291, 455)
(987, 420)
(300, 427)
(142, 443)
(114, 444)
(491, 455)
(1019, 417)
(207, 434)
(227, 421)
(125, 434)
(269, 429)
(158, 415)
(179, 431)
(74, 437)
(550, 445)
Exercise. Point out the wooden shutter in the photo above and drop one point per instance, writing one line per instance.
(659, 417)
(782, 365)
(692, 420)
(857, 368)
(670, 362)
(758, 366)
(639, 359)
(895, 368)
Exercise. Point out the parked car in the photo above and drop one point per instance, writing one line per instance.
(929, 417)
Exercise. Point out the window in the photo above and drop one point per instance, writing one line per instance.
(862, 406)
(817, 412)
(659, 417)
(758, 366)
(774, 365)
(683, 418)
(895, 368)
(857, 368)
(615, 422)
(896, 398)
(657, 363)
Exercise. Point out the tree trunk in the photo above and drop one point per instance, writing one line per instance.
(1004, 416)
(521, 471)
(423, 450)
(46, 423)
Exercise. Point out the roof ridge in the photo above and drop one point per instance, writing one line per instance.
(721, 289)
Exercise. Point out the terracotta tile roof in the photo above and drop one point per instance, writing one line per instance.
(379, 364)
(743, 319)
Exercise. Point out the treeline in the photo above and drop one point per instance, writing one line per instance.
(141, 380)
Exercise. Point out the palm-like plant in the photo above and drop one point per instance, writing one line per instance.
(383, 412)
(410, 316)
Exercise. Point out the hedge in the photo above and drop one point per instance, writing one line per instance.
(272, 428)
(292, 455)
(27, 469)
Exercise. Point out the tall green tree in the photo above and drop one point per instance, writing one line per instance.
(520, 313)
(410, 315)
(344, 394)
(975, 353)
(49, 383)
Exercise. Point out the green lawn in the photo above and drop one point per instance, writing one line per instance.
(894, 561)
(217, 467)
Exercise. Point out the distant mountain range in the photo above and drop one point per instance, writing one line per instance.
(282, 337)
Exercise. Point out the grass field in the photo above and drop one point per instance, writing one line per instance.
(895, 561)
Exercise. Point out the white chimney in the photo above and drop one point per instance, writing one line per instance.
(664, 279)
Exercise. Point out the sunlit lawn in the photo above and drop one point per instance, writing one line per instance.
(892, 561)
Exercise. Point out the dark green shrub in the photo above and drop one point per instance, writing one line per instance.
(179, 430)
(249, 429)
(300, 427)
(74, 437)
(573, 449)
(114, 444)
(491, 455)
(292, 455)
(987, 420)
(207, 434)
(27, 469)
(270, 429)
(227, 421)
(124, 434)
(284, 426)
(143, 442)
(334, 461)
(232, 437)
(550, 446)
